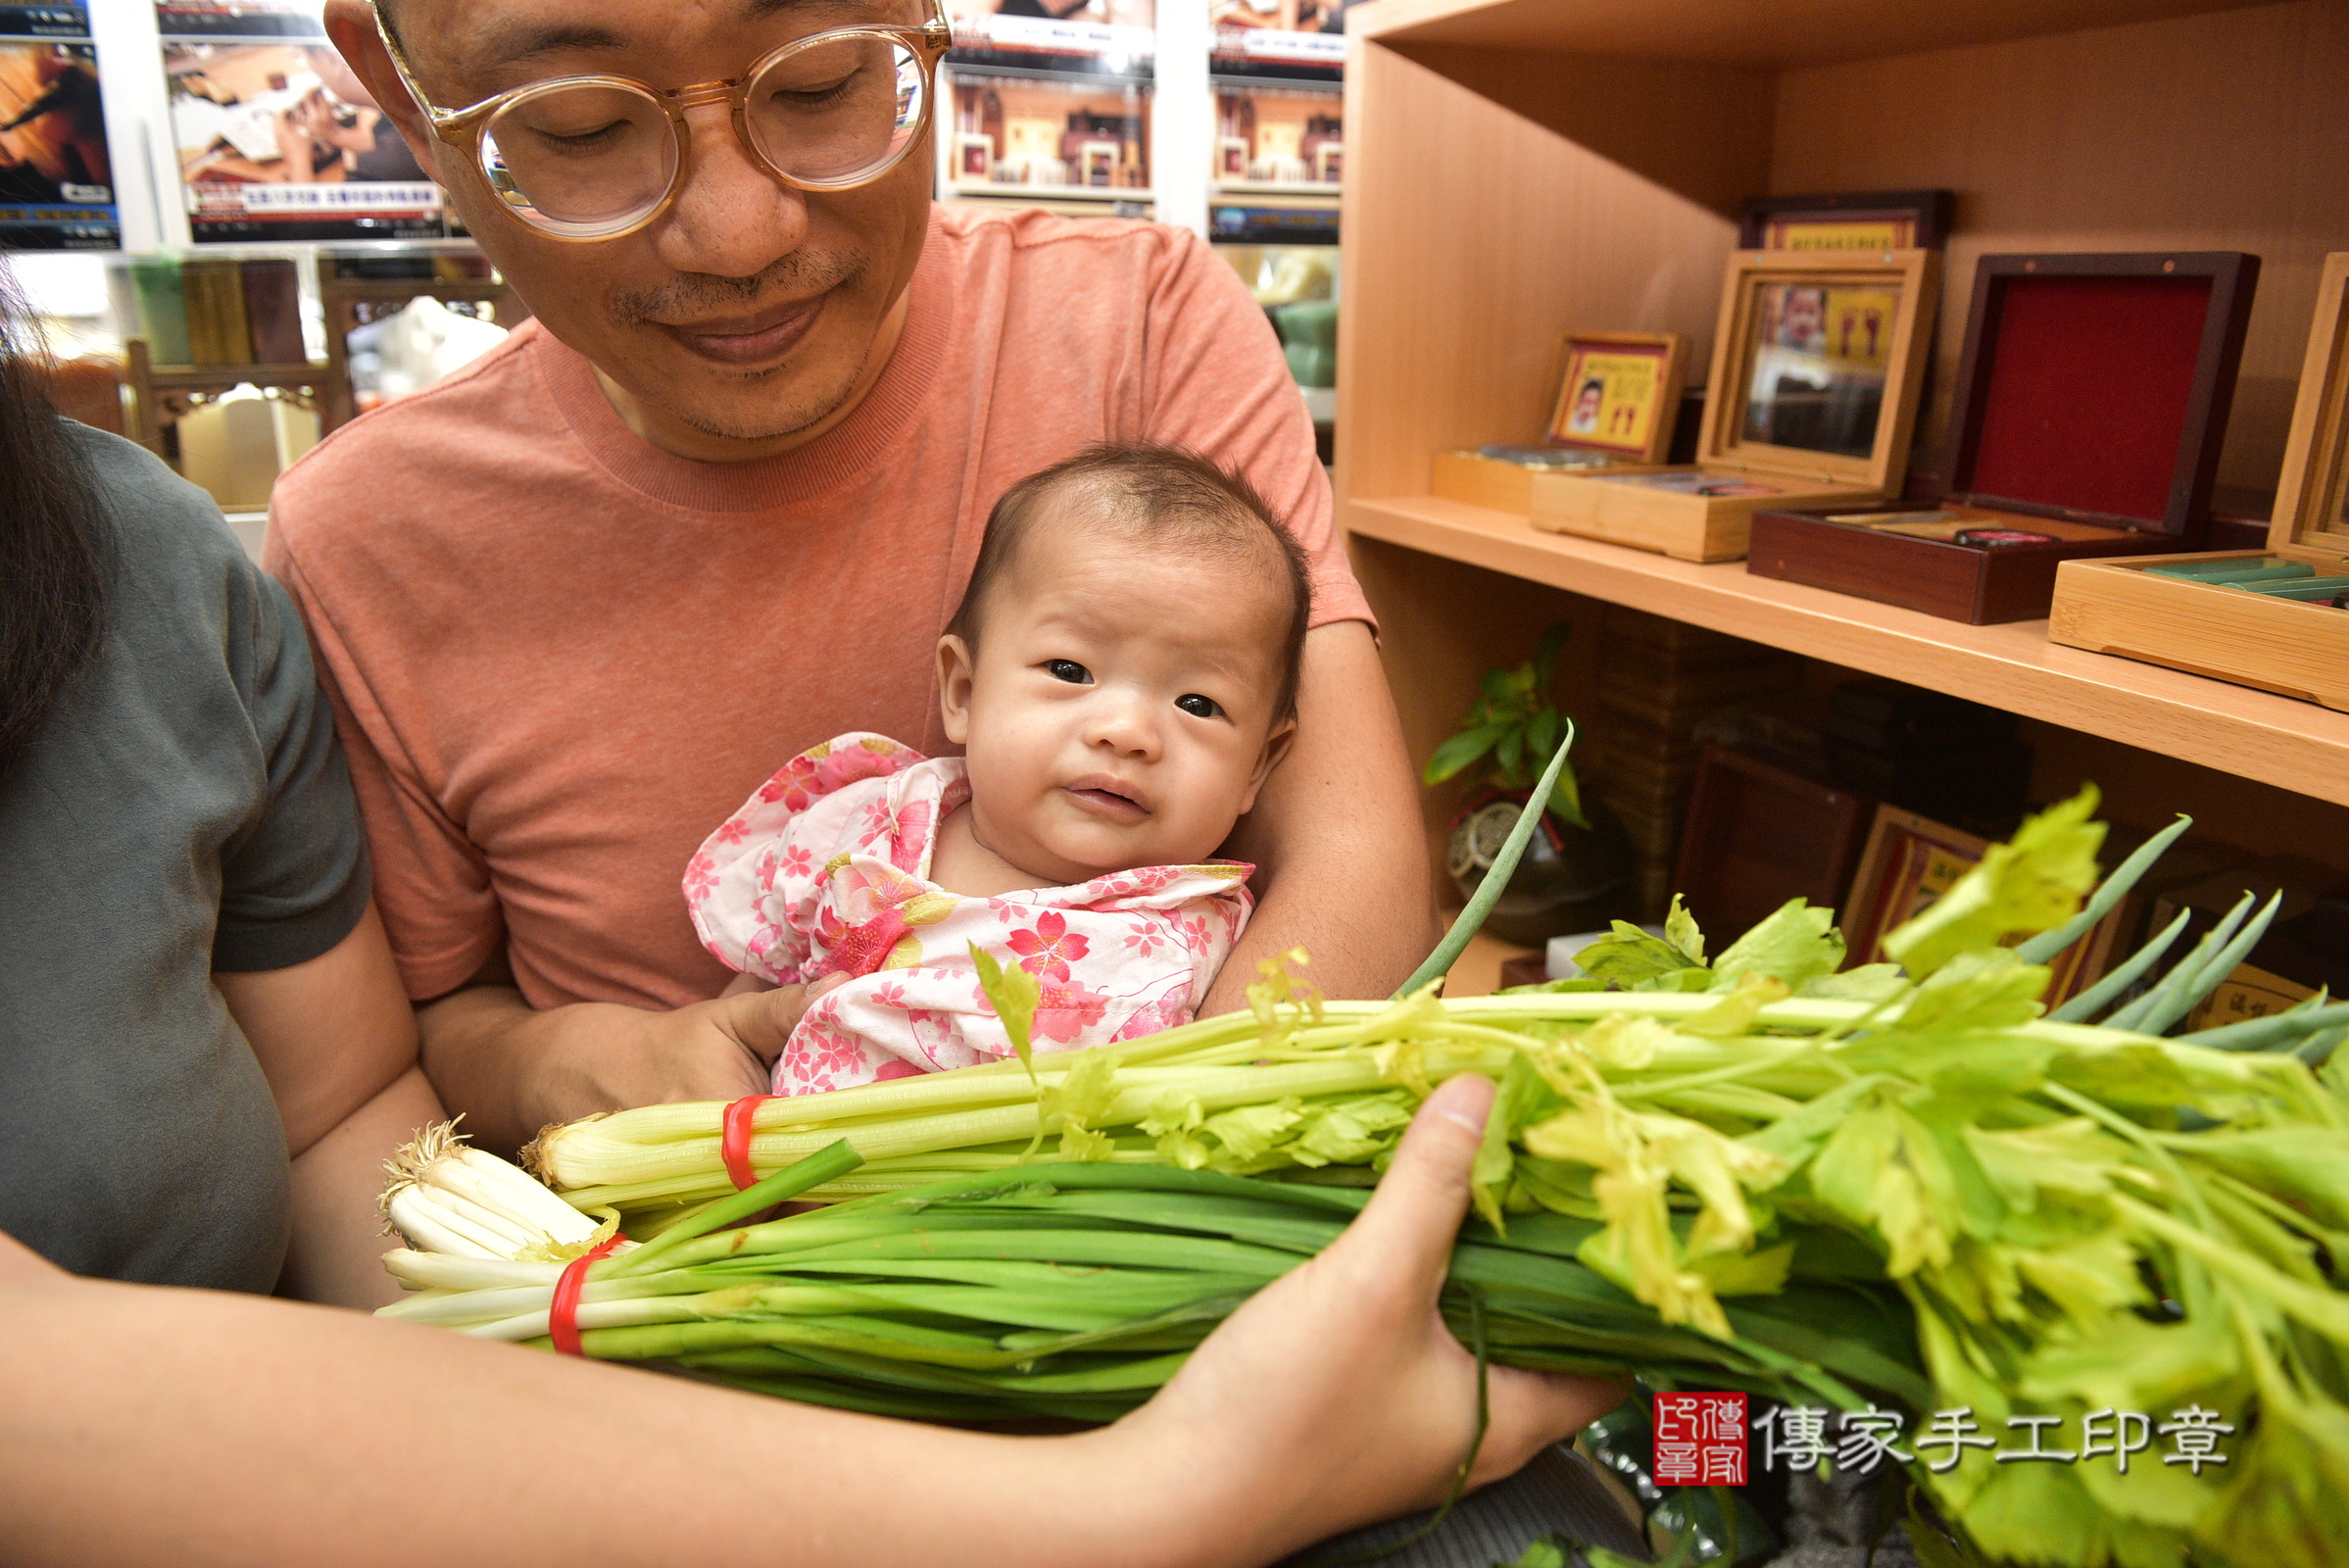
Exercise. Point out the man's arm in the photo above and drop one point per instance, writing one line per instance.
(1336, 836)
(514, 1071)
(146, 1425)
(337, 1043)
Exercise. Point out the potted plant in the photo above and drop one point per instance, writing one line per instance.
(1577, 867)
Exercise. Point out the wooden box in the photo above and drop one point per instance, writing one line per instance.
(2282, 623)
(1815, 381)
(2090, 406)
(1758, 835)
(1617, 408)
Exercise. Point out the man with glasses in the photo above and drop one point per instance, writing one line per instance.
(716, 502)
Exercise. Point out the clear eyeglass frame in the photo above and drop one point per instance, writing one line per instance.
(465, 129)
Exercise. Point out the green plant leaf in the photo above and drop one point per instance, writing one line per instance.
(2109, 894)
(2032, 883)
(1462, 749)
(1795, 943)
(1013, 993)
(1542, 732)
(1508, 756)
(1566, 799)
(1631, 955)
(1681, 930)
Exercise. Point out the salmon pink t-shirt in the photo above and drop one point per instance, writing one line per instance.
(559, 656)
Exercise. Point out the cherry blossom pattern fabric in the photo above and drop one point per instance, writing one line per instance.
(826, 870)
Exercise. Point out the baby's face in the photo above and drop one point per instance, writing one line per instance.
(1120, 710)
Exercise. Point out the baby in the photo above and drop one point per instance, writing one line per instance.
(1122, 677)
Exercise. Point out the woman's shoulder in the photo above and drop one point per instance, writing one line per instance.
(179, 571)
(146, 501)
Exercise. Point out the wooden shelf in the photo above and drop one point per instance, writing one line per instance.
(203, 377)
(2293, 745)
(1755, 35)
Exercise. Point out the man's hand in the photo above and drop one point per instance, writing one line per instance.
(512, 1070)
(1358, 1402)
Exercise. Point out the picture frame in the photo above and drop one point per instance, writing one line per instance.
(1818, 362)
(1881, 219)
(1231, 157)
(1829, 347)
(1619, 393)
(1329, 161)
(2312, 496)
(1910, 861)
(1098, 161)
(974, 158)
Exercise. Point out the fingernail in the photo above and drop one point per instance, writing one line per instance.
(1447, 1104)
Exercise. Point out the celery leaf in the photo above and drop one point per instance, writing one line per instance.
(2034, 881)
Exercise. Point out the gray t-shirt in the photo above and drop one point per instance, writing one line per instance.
(184, 809)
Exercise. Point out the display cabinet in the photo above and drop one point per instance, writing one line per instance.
(1516, 168)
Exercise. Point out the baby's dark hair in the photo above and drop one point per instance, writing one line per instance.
(1177, 499)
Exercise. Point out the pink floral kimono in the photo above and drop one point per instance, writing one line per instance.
(826, 869)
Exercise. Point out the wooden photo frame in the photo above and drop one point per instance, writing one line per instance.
(1099, 163)
(1818, 363)
(2312, 499)
(1619, 393)
(974, 159)
(1911, 861)
(1231, 157)
(1329, 161)
(1871, 221)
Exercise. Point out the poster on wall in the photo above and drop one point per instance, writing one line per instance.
(1110, 37)
(1296, 39)
(57, 183)
(1279, 138)
(1049, 134)
(276, 137)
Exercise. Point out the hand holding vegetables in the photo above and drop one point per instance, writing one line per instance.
(1370, 1446)
(145, 1425)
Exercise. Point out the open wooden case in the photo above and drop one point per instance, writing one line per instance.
(1815, 382)
(2090, 406)
(1619, 398)
(2277, 618)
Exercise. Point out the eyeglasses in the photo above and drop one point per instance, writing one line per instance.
(589, 157)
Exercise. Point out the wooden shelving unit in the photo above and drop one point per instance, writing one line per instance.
(2255, 735)
(1516, 168)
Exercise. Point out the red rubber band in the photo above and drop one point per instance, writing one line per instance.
(734, 1143)
(563, 1313)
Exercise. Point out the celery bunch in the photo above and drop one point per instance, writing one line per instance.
(1905, 1190)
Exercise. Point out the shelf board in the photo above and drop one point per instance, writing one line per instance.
(2293, 745)
(1755, 35)
(197, 377)
(1315, 191)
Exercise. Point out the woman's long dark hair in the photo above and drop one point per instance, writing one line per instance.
(56, 545)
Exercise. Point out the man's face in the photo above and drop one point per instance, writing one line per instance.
(748, 312)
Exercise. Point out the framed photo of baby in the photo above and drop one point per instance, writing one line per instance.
(1620, 393)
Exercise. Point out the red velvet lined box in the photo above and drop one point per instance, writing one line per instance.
(2090, 406)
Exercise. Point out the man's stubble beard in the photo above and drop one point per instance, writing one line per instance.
(795, 274)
